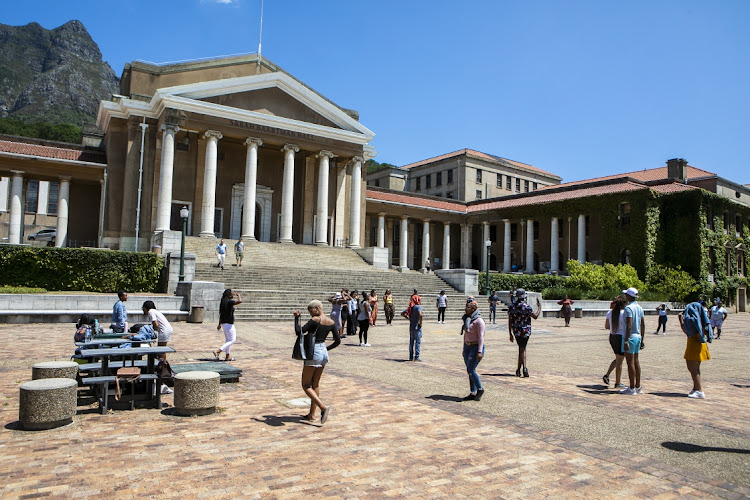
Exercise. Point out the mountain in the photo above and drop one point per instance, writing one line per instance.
(52, 75)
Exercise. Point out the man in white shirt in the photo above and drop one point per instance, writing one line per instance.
(221, 253)
(717, 314)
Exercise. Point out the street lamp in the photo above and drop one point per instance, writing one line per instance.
(184, 213)
(487, 244)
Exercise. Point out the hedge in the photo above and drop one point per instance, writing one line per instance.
(80, 269)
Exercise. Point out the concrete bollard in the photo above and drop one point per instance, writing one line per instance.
(47, 403)
(196, 392)
(54, 369)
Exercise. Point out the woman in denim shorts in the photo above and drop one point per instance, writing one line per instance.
(319, 325)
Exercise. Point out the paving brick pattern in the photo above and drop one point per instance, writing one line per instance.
(382, 440)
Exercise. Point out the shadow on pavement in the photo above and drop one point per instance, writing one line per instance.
(442, 397)
(281, 420)
(498, 374)
(399, 360)
(669, 394)
(696, 448)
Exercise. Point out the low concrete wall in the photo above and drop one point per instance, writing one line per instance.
(202, 293)
(172, 261)
(464, 280)
(594, 308)
(375, 256)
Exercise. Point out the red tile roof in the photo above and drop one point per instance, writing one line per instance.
(649, 175)
(673, 187)
(58, 153)
(483, 156)
(416, 200)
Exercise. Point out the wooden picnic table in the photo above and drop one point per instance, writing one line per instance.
(101, 382)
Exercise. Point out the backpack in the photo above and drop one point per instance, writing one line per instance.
(85, 319)
(82, 333)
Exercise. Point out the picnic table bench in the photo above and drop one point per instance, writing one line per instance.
(111, 342)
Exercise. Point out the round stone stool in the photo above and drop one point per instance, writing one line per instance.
(47, 403)
(196, 393)
(54, 369)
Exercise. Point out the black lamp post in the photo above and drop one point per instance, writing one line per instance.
(184, 213)
(487, 244)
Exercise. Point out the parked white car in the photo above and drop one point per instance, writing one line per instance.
(44, 235)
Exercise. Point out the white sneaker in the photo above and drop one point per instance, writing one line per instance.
(438, 322)
(697, 395)
(443, 322)
(638, 390)
(361, 344)
(628, 391)
(367, 345)
(165, 389)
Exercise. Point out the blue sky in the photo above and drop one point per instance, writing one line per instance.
(580, 88)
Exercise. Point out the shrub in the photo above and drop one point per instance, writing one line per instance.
(673, 283)
(21, 289)
(589, 276)
(530, 282)
(80, 269)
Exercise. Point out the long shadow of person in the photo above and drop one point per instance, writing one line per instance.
(282, 420)
(442, 397)
(697, 448)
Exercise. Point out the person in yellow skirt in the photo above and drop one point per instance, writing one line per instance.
(694, 322)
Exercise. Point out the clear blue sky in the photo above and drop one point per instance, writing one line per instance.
(581, 88)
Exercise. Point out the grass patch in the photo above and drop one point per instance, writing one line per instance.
(21, 289)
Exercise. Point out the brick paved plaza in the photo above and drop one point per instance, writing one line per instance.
(399, 429)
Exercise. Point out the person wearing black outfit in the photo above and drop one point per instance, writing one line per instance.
(226, 322)
(313, 367)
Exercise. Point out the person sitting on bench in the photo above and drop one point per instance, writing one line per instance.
(120, 313)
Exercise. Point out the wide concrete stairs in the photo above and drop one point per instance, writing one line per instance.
(275, 279)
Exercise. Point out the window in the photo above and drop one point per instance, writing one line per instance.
(514, 232)
(439, 179)
(418, 185)
(377, 182)
(428, 181)
(450, 176)
(32, 196)
(449, 195)
(726, 222)
(526, 186)
(508, 182)
(499, 181)
(624, 218)
(709, 219)
(518, 185)
(738, 225)
(493, 233)
(536, 186)
(479, 194)
(479, 176)
(54, 194)
(536, 229)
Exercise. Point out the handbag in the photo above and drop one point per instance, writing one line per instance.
(304, 346)
(164, 370)
(128, 374)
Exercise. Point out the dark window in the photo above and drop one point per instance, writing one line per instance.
(726, 222)
(499, 181)
(624, 214)
(428, 181)
(738, 225)
(450, 176)
(32, 195)
(560, 227)
(493, 233)
(377, 182)
(479, 176)
(518, 185)
(514, 232)
(449, 195)
(526, 186)
(508, 182)
(479, 194)
(418, 186)
(536, 186)
(588, 227)
(54, 194)
(536, 229)
(439, 179)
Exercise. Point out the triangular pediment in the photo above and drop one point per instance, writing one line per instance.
(272, 101)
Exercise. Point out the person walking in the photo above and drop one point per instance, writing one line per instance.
(519, 326)
(352, 305)
(312, 369)
(239, 251)
(695, 323)
(442, 305)
(427, 265)
(388, 307)
(373, 307)
(633, 341)
(226, 323)
(415, 332)
(717, 314)
(363, 317)
(120, 313)
(615, 323)
(662, 312)
(163, 330)
(337, 301)
(566, 310)
(493, 300)
(221, 254)
(473, 349)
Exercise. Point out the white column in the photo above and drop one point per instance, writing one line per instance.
(251, 185)
(485, 237)
(381, 230)
(287, 194)
(425, 242)
(465, 246)
(582, 239)
(506, 246)
(530, 247)
(61, 239)
(404, 243)
(208, 206)
(164, 200)
(446, 245)
(554, 247)
(42, 198)
(15, 226)
(4, 189)
(324, 157)
(356, 200)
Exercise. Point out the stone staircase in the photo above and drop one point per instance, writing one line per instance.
(275, 279)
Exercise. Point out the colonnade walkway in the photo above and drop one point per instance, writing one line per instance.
(399, 428)
(276, 278)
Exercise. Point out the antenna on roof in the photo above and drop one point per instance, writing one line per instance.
(260, 38)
